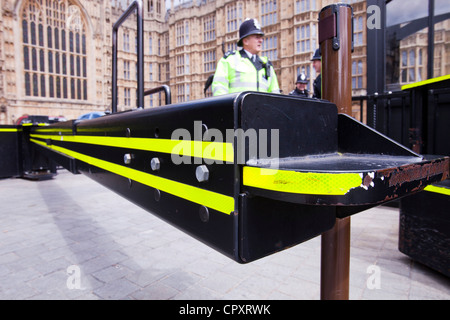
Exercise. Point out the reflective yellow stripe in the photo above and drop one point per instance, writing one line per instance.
(425, 82)
(437, 189)
(301, 182)
(29, 124)
(207, 198)
(216, 151)
(8, 130)
(54, 130)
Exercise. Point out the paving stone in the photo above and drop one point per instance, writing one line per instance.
(124, 252)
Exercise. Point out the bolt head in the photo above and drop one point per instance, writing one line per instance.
(155, 164)
(202, 173)
(127, 158)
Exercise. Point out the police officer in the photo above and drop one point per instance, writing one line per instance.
(245, 70)
(317, 65)
(300, 86)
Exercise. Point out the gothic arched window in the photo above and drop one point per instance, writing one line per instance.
(54, 50)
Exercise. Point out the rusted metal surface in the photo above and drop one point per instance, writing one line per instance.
(416, 172)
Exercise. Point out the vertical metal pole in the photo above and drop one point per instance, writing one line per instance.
(430, 63)
(139, 7)
(335, 39)
(140, 53)
(114, 72)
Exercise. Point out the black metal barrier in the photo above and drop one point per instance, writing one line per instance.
(418, 117)
(248, 174)
(19, 158)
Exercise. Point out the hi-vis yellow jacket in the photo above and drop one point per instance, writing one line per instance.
(236, 73)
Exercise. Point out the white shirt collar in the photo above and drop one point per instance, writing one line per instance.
(250, 55)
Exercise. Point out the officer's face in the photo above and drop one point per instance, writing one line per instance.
(253, 43)
(301, 86)
(317, 65)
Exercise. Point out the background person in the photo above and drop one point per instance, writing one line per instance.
(300, 86)
(317, 65)
(245, 70)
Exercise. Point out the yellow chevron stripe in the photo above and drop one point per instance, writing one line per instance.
(216, 151)
(8, 130)
(301, 182)
(436, 189)
(207, 198)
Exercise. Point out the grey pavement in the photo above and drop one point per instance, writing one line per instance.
(71, 238)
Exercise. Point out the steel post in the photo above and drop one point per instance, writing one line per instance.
(336, 44)
(135, 6)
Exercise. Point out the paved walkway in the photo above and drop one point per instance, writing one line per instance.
(71, 238)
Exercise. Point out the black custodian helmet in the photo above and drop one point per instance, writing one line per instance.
(317, 55)
(247, 28)
(302, 78)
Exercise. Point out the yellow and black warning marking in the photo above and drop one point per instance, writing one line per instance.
(220, 202)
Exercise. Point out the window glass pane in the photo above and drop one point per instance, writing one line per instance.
(33, 32)
(51, 87)
(35, 85)
(58, 87)
(65, 88)
(72, 65)
(50, 62)
(71, 41)
(83, 44)
(57, 65)
(77, 42)
(41, 35)
(26, 58)
(42, 85)
(84, 90)
(42, 60)
(49, 37)
(34, 59)
(27, 84)
(56, 38)
(64, 64)
(404, 35)
(72, 89)
(24, 31)
(78, 66)
(412, 61)
(63, 40)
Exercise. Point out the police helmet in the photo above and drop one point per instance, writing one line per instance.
(317, 55)
(302, 78)
(247, 28)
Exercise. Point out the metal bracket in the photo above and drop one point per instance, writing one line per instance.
(329, 26)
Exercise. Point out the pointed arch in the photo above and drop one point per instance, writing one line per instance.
(55, 50)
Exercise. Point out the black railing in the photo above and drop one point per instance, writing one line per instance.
(138, 7)
(164, 88)
(418, 118)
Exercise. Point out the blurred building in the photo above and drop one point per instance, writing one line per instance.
(56, 55)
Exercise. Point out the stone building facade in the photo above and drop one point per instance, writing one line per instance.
(56, 55)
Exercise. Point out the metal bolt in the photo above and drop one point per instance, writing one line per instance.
(155, 164)
(127, 158)
(204, 214)
(202, 173)
(157, 194)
